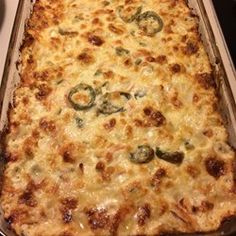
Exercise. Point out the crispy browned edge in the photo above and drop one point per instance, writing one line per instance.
(228, 223)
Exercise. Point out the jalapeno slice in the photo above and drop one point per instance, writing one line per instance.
(150, 23)
(113, 102)
(121, 51)
(82, 96)
(172, 157)
(79, 122)
(143, 154)
(129, 14)
(140, 94)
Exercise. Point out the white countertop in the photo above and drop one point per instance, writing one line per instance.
(7, 14)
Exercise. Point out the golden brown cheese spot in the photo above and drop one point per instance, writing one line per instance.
(162, 59)
(28, 152)
(184, 38)
(100, 166)
(11, 156)
(66, 233)
(95, 40)
(108, 74)
(83, 26)
(128, 62)
(139, 123)
(55, 43)
(68, 152)
(27, 42)
(145, 53)
(14, 127)
(104, 171)
(97, 218)
(193, 171)
(190, 48)
(117, 219)
(150, 59)
(127, 2)
(25, 100)
(196, 98)
(46, 14)
(116, 29)
(17, 216)
(30, 142)
(42, 75)
(168, 27)
(175, 101)
(155, 118)
(27, 198)
(175, 68)
(143, 214)
(25, 118)
(206, 80)
(204, 207)
(67, 157)
(157, 178)
(208, 132)
(35, 134)
(134, 191)
(104, 11)
(215, 167)
(110, 124)
(85, 58)
(69, 203)
(48, 126)
(31, 63)
(97, 21)
(109, 157)
(129, 131)
(43, 91)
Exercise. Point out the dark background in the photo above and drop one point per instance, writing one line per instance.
(226, 12)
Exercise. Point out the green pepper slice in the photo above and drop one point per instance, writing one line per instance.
(79, 122)
(150, 23)
(172, 157)
(82, 96)
(121, 51)
(129, 14)
(143, 154)
(140, 94)
(113, 102)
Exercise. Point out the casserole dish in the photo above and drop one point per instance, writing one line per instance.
(223, 72)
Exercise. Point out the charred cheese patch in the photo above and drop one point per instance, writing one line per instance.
(114, 129)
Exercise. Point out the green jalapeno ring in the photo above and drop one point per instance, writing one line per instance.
(107, 107)
(78, 88)
(143, 154)
(150, 30)
(120, 51)
(132, 17)
(79, 122)
(171, 157)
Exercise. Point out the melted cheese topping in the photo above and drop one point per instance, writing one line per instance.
(69, 170)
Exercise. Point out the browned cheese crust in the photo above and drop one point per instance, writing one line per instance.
(114, 129)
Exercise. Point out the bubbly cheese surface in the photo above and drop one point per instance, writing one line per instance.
(115, 128)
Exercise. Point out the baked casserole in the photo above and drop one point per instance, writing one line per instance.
(114, 129)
